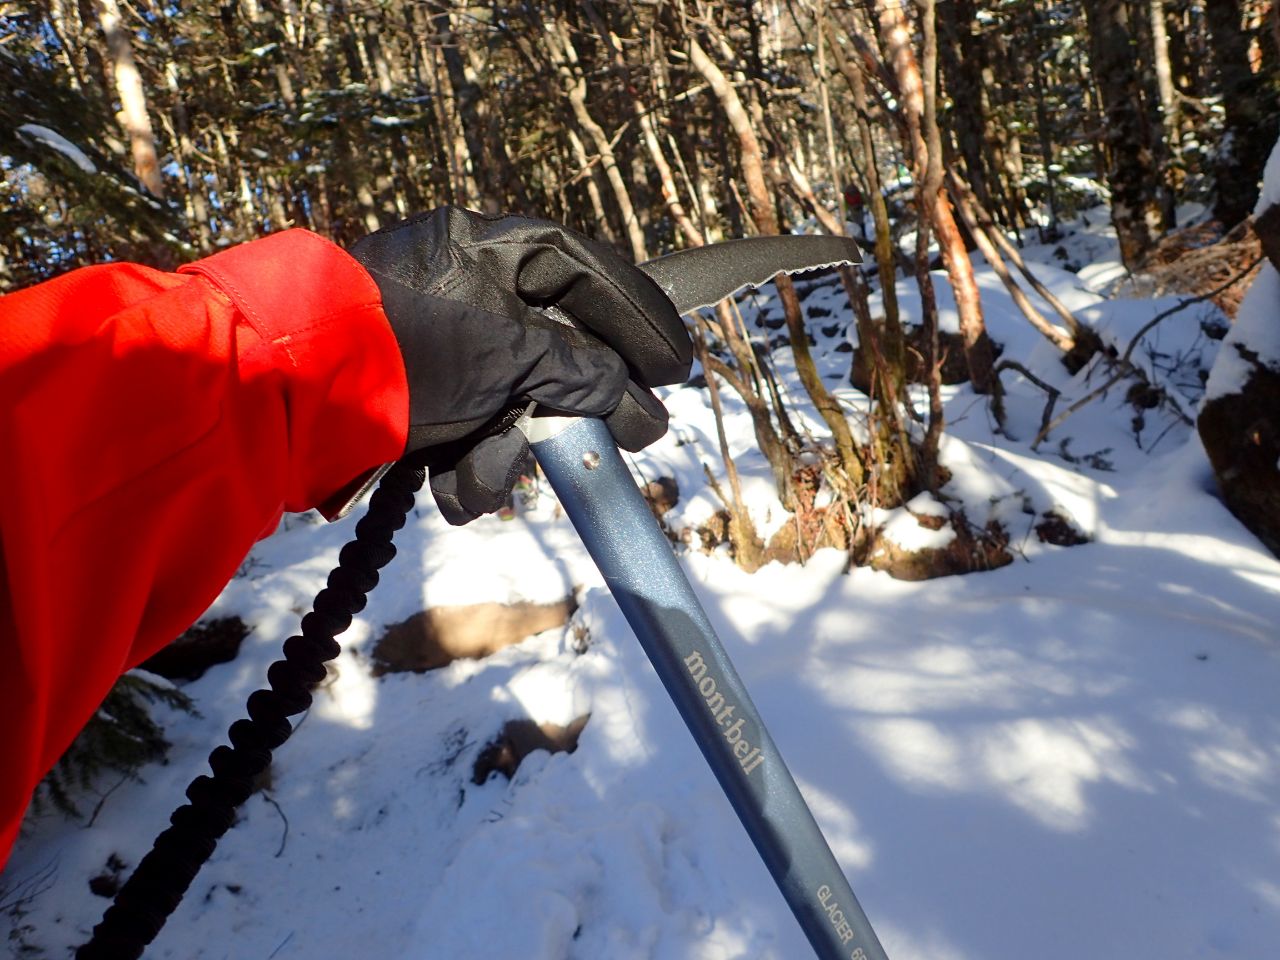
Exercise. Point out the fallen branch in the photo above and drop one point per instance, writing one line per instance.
(102, 799)
(1052, 392)
(1125, 366)
(17, 893)
(284, 838)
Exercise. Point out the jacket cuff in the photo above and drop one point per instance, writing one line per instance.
(320, 315)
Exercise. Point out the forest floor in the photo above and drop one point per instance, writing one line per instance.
(1077, 754)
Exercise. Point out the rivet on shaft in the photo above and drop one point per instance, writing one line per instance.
(591, 459)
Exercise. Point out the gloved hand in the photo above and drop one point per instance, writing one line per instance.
(493, 312)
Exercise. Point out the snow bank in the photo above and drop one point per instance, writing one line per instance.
(1255, 335)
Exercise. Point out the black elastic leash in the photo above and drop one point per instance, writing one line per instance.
(161, 879)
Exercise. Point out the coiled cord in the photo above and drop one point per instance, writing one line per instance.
(161, 879)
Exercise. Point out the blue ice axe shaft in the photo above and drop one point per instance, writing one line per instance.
(595, 488)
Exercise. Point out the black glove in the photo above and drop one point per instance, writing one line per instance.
(493, 312)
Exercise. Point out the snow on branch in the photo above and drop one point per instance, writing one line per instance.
(55, 140)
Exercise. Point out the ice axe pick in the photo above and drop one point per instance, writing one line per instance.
(622, 536)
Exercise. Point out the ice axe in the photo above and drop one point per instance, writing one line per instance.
(622, 536)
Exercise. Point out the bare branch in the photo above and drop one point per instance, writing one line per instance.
(1125, 367)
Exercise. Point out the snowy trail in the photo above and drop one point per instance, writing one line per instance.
(1003, 766)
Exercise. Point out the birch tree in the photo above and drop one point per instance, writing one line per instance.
(133, 101)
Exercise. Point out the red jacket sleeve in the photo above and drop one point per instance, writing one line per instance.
(152, 426)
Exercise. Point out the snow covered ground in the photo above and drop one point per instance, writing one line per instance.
(1075, 755)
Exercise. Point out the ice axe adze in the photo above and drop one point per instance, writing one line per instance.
(598, 493)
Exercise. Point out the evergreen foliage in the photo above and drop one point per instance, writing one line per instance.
(120, 740)
(57, 214)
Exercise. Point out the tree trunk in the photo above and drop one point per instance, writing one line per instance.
(57, 21)
(977, 345)
(1058, 337)
(765, 217)
(1250, 103)
(888, 342)
(465, 192)
(931, 185)
(592, 186)
(1043, 126)
(978, 220)
(133, 100)
(1164, 80)
(1136, 210)
(196, 203)
(1153, 44)
(575, 85)
(468, 102)
(649, 131)
(962, 66)
(1001, 139)
(748, 548)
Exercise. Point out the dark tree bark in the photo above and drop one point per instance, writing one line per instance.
(1249, 100)
(962, 61)
(1132, 171)
(1044, 124)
